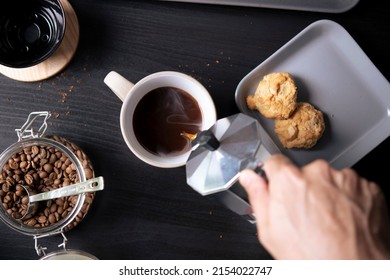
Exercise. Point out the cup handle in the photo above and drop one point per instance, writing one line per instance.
(118, 84)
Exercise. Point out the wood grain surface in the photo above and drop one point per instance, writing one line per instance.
(146, 212)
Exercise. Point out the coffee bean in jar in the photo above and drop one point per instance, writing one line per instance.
(41, 165)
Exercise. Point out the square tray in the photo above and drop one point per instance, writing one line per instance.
(332, 73)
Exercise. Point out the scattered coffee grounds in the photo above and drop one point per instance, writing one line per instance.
(41, 168)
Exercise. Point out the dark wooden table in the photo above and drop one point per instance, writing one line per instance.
(147, 212)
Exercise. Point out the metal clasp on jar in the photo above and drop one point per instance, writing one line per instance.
(42, 250)
(28, 129)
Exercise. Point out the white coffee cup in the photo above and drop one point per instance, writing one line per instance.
(131, 94)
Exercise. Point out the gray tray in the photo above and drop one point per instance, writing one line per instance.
(336, 76)
(326, 6)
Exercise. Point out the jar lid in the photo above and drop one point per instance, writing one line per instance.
(69, 254)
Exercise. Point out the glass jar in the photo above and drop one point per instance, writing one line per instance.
(69, 255)
(43, 163)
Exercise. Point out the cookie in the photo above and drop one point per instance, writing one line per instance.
(275, 96)
(303, 129)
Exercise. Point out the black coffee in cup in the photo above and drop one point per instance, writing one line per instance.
(161, 117)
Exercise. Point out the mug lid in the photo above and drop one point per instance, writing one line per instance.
(30, 32)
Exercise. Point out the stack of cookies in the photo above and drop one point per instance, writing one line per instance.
(297, 124)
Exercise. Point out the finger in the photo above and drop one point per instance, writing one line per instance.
(320, 171)
(282, 175)
(273, 164)
(347, 180)
(358, 189)
(256, 187)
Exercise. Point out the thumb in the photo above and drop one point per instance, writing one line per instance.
(257, 190)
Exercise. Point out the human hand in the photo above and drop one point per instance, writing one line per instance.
(317, 212)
